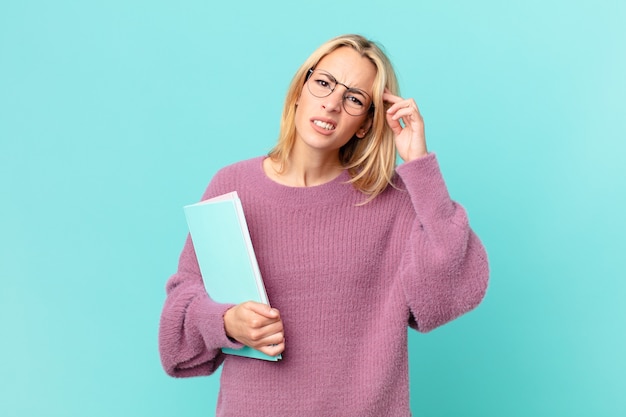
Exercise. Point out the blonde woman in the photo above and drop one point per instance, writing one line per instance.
(353, 250)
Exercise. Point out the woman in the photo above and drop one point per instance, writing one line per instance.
(352, 250)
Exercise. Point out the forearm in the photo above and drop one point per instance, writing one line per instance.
(445, 268)
(191, 331)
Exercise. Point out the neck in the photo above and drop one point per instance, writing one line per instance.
(306, 169)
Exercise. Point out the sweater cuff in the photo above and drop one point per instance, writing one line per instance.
(208, 317)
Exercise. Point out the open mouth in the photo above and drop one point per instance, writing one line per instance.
(324, 125)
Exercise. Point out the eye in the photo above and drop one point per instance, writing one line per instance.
(355, 99)
(323, 82)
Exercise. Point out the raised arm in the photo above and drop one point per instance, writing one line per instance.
(445, 269)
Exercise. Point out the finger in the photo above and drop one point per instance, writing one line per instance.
(401, 112)
(394, 124)
(266, 336)
(269, 329)
(400, 109)
(273, 350)
(407, 115)
(390, 97)
(392, 100)
(272, 339)
(398, 102)
(263, 310)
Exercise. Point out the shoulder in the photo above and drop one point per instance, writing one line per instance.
(245, 167)
(240, 170)
(230, 177)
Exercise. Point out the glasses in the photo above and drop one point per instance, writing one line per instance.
(355, 102)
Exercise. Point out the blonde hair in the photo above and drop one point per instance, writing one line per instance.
(370, 160)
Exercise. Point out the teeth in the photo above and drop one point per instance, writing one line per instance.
(323, 125)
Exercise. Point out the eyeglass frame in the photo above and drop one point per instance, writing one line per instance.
(343, 97)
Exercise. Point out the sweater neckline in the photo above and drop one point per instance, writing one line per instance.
(328, 191)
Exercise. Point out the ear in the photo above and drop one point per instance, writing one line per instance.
(365, 127)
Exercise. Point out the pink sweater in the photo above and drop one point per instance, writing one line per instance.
(347, 279)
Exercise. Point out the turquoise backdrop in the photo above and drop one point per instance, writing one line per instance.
(115, 114)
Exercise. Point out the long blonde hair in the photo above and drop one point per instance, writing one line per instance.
(371, 160)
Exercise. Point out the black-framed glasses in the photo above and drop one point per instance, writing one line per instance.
(356, 102)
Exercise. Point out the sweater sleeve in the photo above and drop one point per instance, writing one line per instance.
(191, 330)
(445, 270)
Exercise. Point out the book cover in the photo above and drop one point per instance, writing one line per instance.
(228, 265)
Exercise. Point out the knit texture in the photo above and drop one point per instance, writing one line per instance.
(347, 280)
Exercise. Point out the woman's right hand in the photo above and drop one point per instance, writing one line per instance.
(256, 325)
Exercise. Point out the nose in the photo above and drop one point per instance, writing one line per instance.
(333, 102)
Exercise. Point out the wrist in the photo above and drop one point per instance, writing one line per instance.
(412, 156)
(227, 318)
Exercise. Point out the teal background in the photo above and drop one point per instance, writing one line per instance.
(115, 114)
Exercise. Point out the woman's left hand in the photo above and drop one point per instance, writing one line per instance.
(410, 138)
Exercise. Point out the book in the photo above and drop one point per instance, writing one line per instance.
(227, 261)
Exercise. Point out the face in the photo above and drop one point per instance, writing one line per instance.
(322, 123)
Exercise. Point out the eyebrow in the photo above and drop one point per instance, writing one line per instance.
(338, 82)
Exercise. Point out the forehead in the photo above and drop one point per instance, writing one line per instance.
(349, 67)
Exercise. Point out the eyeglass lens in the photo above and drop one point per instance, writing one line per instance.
(321, 84)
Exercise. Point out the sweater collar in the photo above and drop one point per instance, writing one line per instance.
(337, 189)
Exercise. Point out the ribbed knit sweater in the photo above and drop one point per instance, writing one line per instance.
(347, 279)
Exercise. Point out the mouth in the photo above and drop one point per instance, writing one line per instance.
(324, 125)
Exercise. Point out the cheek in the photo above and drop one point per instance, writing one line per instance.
(299, 118)
(304, 108)
(300, 100)
(357, 126)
